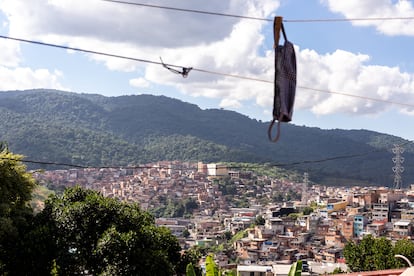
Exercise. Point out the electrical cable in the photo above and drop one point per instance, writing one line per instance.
(347, 19)
(310, 20)
(217, 73)
(349, 156)
(188, 10)
(75, 165)
(195, 69)
(355, 96)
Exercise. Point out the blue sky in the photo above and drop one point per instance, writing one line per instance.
(370, 59)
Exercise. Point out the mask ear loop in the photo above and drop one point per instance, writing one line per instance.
(185, 71)
(269, 131)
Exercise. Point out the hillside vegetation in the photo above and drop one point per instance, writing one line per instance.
(93, 130)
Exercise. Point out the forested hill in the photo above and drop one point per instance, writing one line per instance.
(93, 130)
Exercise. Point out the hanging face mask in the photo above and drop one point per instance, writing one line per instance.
(285, 80)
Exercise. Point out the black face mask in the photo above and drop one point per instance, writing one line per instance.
(285, 80)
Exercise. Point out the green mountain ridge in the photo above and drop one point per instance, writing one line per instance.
(94, 130)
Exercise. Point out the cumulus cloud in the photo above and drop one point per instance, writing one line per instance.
(15, 77)
(139, 82)
(343, 72)
(26, 78)
(228, 45)
(379, 9)
(9, 53)
(115, 22)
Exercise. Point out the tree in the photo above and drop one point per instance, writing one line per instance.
(192, 256)
(190, 270)
(383, 254)
(16, 186)
(307, 210)
(405, 248)
(260, 220)
(88, 233)
(186, 233)
(351, 254)
(338, 270)
(370, 254)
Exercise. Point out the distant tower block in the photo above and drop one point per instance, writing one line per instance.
(305, 188)
(398, 169)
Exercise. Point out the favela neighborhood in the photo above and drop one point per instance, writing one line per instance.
(254, 224)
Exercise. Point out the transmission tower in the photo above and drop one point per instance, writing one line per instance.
(305, 188)
(398, 169)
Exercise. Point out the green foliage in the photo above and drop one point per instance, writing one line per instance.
(370, 254)
(97, 131)
(260, 220)
(190, 256)
(307, 211)
(294, 215)
(16, 186)
(175, 208)
(55, 269)
(383, 256)
(81, 231)
(39, 196)
(338, 270)
(227, 186)
(296, 269)
(239, 235)
(230, 273)
(405, 248)
(190, 270)
(211, 267)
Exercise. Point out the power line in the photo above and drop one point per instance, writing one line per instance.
(347, 19)
(44, 162)
(356, 96)
(83, 50)
(75, 165)
(260, 18)
(188, 10)
(338, 157)
(196, 69)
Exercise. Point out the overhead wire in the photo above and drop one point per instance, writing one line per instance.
(186, 10)
(310, 20)
(195, 69)
(217, 73)
(290, 164)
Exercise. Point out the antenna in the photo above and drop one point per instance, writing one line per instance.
(398, 169)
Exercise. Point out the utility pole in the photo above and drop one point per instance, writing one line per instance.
(305, 189)
(398, 169)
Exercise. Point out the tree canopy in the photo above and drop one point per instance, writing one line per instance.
(86, 232)
(16, 186)
(376, 253)
(78, 232)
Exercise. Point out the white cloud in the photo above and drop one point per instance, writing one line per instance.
(217, 44)
(15, 77)
(237, 54)
(116, 22)
(139, 82)
(377, 9)
(9, 53)
(347, 73)
(230, 103)
(134, 31)
(26, 78)
(228, 45)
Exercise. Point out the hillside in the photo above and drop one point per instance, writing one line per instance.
(93, 130)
